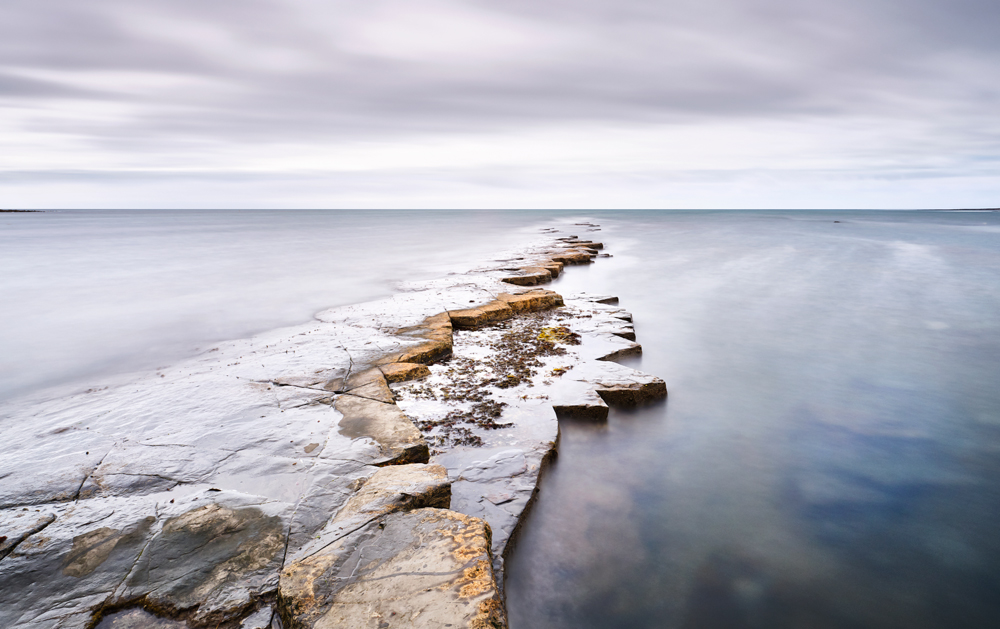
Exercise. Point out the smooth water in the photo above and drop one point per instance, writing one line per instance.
(829, 455)
(86, 294)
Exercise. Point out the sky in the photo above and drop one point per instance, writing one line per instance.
(489, 104)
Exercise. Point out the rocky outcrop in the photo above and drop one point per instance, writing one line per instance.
(394, 556)
(370, 468)
(403, 372)
(213, 560)
(398, 439)
(549, 265)
(504, 307)
(530, 276)
(426, 568)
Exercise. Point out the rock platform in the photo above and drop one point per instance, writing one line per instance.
(369, 468)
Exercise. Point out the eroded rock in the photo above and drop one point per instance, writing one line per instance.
(530, 276)
(138, 619)
(403, 372)
(531, 301)
(397, 437)
(572, 256)
(630, 350)
(398, 488)
(18, 525)
(426, 568)
(632, 393)
(481, 315)
(213, 559)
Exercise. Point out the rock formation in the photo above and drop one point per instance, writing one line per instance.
(367, 469)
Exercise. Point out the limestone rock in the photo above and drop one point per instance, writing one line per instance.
(597, 299)
(390, 489)
(260, 619)
(587, 407)
(632, 393)
(398, 488)
(55, 577)
(404, 372)
(532, 300)
(436, 329)
(138, 619)
(213, 558)
(421, 569)
(426, 353)
(481, 315)
(398, 438)
(18, 525)
(633, 349)
(554, 268)
(371, 384)
(572, 257)
(529, 276)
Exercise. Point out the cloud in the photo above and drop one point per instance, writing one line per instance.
(176, 85)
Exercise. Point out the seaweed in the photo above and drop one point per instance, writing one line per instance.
(515, 349)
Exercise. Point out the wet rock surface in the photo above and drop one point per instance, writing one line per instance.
(421, 568)
(369, 468)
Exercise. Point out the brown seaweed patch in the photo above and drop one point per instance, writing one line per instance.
(515, 348)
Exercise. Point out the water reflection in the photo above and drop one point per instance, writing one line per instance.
(830, 455)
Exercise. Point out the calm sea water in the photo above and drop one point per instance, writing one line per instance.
(86, 294)
(829, 455)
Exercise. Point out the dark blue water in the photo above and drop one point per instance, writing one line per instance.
(829, 455)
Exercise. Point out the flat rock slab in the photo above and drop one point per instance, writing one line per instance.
(213, 558)
(139, 619)
(530, 276)
(427, 568)
(531, 301)
(481, 315)
(403, 372)
(390, 489)
(397, 437)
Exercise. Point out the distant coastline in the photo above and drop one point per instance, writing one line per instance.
(12, 211)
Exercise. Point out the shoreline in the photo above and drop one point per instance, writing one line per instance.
(369, 480)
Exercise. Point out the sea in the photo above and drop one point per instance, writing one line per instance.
(828, 455)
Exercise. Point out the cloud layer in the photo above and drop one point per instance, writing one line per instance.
(445, 102)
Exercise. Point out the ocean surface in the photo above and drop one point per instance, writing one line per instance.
(829, 455)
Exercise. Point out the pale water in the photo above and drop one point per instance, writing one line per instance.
(829, 455)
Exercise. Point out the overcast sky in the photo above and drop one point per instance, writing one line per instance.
(519, 103)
